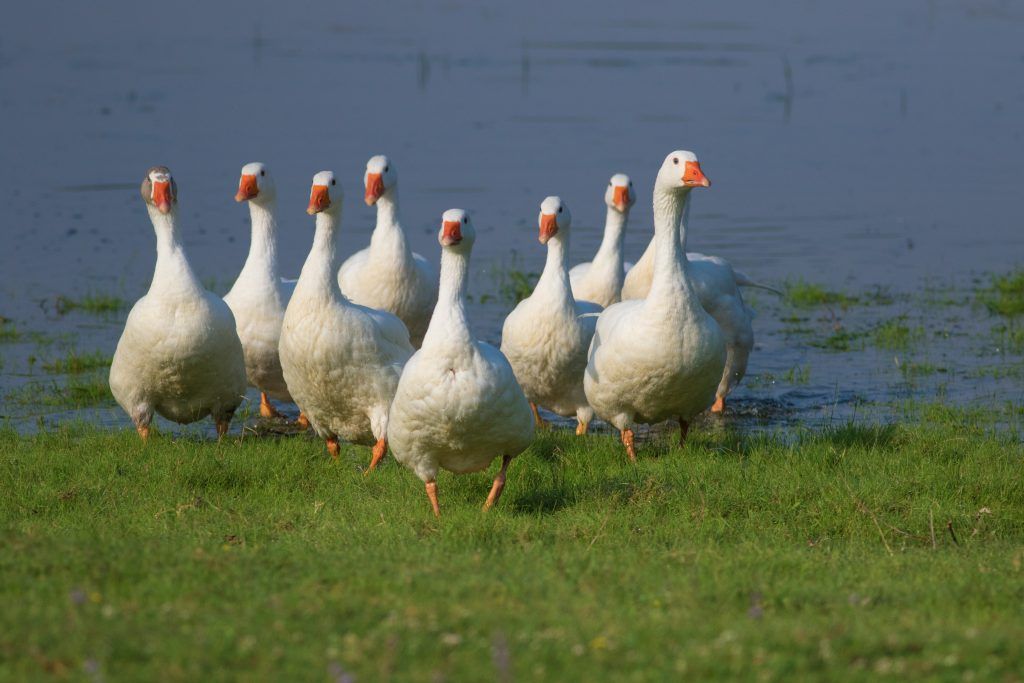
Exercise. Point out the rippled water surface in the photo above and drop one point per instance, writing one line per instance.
(873, 148)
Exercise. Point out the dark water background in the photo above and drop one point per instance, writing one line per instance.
(857, 145)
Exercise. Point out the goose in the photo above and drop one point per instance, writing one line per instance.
(547, 335)
(717, 285)
(458, 404)
(179, 355)
(259, 296)
(387, 275)
(601, 280)
(660, 357)
(341, 361)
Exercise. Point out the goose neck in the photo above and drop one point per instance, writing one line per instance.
(263, 246)
(555, 277)
(449, 325)
(172, 271)
(318, 275)
(614, 235)
(388, 239)
(670, 268)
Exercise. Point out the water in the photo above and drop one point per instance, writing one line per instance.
(860, 146)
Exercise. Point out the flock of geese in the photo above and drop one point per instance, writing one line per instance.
(380, 351)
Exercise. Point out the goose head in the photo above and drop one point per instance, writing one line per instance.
(325, 195)
(681, 173)
(554, 217)
(457, 232)
(256, 184)
(380, 177)
(620, 195)
(159, 189)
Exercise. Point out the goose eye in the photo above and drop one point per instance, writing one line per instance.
(465, 219)
(386, 169)
(559, 209)
(675, 160)
(263, 173)
(631, 183)
(334, 182)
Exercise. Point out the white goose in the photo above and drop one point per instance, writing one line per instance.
(341, 361)
(660, 357)
(458, 405)
(179, 355)
(718, 287)
(601, 280)
(544, 337)
(387, 275)
(259, 297)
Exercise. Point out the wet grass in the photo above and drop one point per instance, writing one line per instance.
(798, 375)
(1004, 295)
(851, 552)
(840, 340)
(803, 294)
(9, 333)
(896, 334)
(95, 303)
(74, 363)
(77, 393)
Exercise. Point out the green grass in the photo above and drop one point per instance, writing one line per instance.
(896, 334)
(1004, 295)
(8, 332)
(74, 363)
(840, 340)
(800, 374)
(78, 392)
(839, 555)
(96, 303)
(803, 294)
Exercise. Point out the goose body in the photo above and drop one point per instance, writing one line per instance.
(458, 404)
(600, 281)
(179, 355)
(718, 287)
(341, 361)
(259, 297)
(547, 335)
(660, 357)
(387, 275)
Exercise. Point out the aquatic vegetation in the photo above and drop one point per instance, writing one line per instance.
(90, 303)
(513, 284)
(896, 334)
(75, 363)
(798, 375)
(8, 332)
(76, 393)
(1009, 338)
(1004, 295)
(840, 340)
(879, 516)
(913, 369)
(803, 294)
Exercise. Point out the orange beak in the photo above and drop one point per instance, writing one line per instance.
(374, 188)
(694, 177)
(162, 196)
(451, 233)
(319, 199)
(548, 227)
(247, 188)
(621, 197)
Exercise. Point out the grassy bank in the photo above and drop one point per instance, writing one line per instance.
(844, 554)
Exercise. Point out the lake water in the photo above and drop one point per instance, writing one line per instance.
(868, 145)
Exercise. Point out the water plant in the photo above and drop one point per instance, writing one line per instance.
(802, 294)
(896, 334)
(92, 302)
(74, 363)
(1004, 295)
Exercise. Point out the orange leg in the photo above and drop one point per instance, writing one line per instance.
(379, 449)
(684, 428)
(538, 421)
(719, 406)
(143, 431)
(432, 495)
(333, 447)
(222, 428)
(499, 484)
(302, 421)
(629, 443)
(266, 409)
(581, 428)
